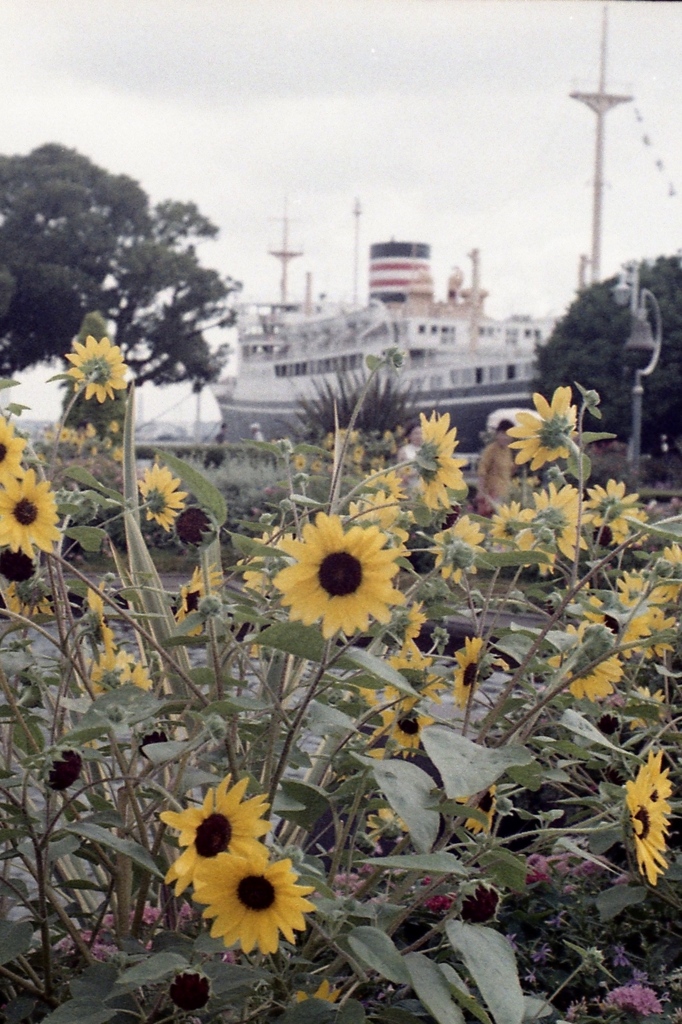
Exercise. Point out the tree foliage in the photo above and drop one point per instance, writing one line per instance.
(587, 346)
(75, 238)
(386, 406)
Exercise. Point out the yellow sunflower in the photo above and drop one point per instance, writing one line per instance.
(28, 515)
(438, 469)
(324, 991)
(646, 801)
(592, 641)
(456, 549)
(554, 523)
(668, 592)
(385, 824)
(99, 365)
(225, 823)
(117, 668)
(384, 511)
(402, 724)
(547, 434)
(101, 631)
(608, 507)
(647, 697)
(163, 500)
(466, 676)
(252, 900)
(192, 593)
(508, 521)
(11, 451)
(486, 803)
(341, 577)
(26, 599)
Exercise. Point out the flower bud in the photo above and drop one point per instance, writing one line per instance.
(190, 990)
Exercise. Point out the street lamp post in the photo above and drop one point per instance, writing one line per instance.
(642, 340)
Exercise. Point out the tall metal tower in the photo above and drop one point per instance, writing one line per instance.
(600, 102)
(285, 255)
(357, 210)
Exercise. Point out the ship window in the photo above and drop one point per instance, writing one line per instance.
(454, 377)
(280, 371)
(479, 374)
(511, 371)
(422, 328)
(434, 328)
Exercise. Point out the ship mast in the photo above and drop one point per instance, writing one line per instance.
(284, 255)
(600, 102)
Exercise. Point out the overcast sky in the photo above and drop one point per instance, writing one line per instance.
(450, 120)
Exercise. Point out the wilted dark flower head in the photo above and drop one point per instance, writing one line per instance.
(192, 524)
(190, 991)
(65, 770)
(15, 566)
(156, 736)
(480, 906)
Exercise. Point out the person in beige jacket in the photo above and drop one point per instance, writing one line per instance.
(495, 471)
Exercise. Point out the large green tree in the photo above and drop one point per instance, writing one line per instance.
(587, 346)
(74, 238)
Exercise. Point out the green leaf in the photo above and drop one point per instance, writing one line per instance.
(204, 491)
(535, 1009)
(611, 901)
(128, 847)
(356, 657)
(324, 720)
(15, 938)
(466, 767)
(82, 476)
(7, 382)
(462, 995)
(494, 559)
(314, 799)
(489, 958)
(576, 723)
(668, 529)
(252, 548)
(408, 790)
(428, 863)
(310, 1011)
(572, 467)
(376, 950)
(89, 537)
(80, 1010)
(433, 989)
(506, 870)
(597, 435)
(155, 968)
(352, 1012)
(516, 645)
(294, 638)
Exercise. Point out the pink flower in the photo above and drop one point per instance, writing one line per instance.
(537, 869)
(439, 904)
(634, 999)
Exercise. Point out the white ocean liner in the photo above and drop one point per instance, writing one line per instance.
(458, 360)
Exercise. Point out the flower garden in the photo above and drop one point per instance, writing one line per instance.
(392, 762)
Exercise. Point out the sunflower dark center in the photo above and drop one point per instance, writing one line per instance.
(25, 512)
(642, 817)
(3, 452)
(213, 836)
(486, 802)
(409, 726)
(612, 624)
(469, 674)
(604, 536)
(340, 574)
(192, 600)
(256, 893)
